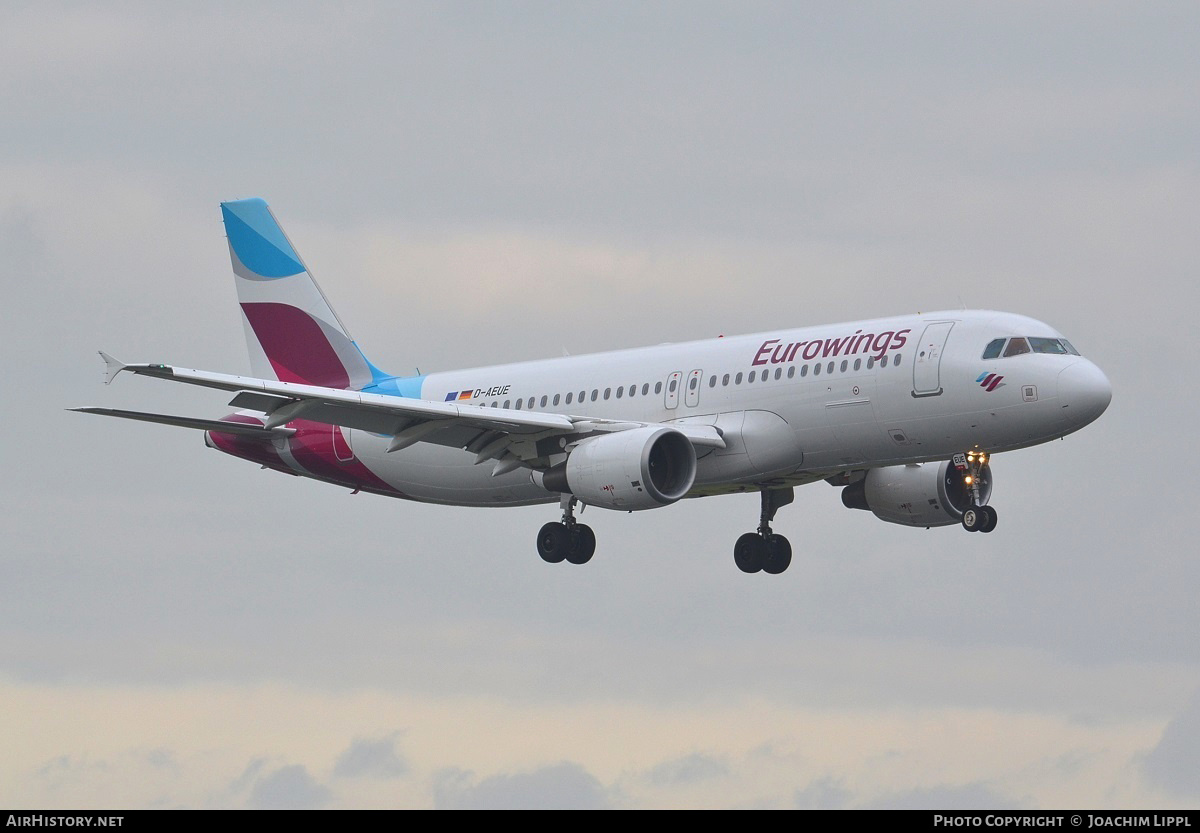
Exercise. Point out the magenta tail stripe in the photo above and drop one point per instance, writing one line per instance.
(299, 351)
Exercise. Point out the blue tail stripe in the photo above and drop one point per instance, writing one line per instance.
(257, 239)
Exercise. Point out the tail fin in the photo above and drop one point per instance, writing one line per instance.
(292, 332)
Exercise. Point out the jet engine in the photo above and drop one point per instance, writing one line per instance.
(923, 494)
(643, 468)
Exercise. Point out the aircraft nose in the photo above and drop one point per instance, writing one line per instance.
(1084, 392)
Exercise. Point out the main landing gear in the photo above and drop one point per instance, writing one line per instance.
(976, 518)
(567, 539)
(764, 550)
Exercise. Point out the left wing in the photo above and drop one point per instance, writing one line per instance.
(513, 438)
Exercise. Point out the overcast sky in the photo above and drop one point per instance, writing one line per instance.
(484, 182)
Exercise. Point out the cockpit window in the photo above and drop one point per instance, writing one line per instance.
(1016, 347)
(1033, 344)
(1047, 345)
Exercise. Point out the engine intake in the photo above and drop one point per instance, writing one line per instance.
(644, 468)
(923, 494)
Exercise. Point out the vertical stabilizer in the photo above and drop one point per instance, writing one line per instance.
(292, 332)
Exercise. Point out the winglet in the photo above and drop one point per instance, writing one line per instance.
(111, 367)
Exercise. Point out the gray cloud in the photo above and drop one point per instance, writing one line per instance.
(366, 758)
(288, 788)
(564, 786)
(828, 793)
(1174, 763)
(689, 769)
(975, 796)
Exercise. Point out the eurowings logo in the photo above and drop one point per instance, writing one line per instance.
(989, 381)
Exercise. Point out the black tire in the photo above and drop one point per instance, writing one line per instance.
(779, 555)
(583, 544)
(750, 552)
(989, 522)
(553, 542)
(972, 519)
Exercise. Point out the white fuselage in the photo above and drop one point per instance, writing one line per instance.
(793, 406)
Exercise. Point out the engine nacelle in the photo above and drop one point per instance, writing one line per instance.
(924, 494)
(644, 468)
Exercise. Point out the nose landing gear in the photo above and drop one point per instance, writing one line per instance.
(976, 517)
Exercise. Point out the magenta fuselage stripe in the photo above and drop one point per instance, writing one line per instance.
(248, 448)
(312, 447)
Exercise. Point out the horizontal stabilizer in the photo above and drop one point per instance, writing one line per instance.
(239, 428)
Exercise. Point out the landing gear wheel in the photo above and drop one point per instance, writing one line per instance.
(779, 555)
(989, 522)
(750, 552)
(553, 542)
(583, 544)
(973, 518)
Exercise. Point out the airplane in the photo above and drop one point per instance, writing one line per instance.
(902, 414)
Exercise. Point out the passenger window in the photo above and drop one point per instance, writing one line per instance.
(870, 362)
(620, 392)
(858, 364)
(518, 404)
(544, 400)
(896, 359)
(792, 372)
(507, 404)
(883, 361)
(817, 369)
(803, 371)
(607, 391)
(582, 395)
(830, 368)
(658, 387)
(737, 380)
(845, 364)
(778, 373)
(992, 351)
(595, 393)
(1016, 347)
(692, 383)
(753, 375)
(529, 404)
(674, 384)
(569, 395)
(633, 390)
(645, 389)
(556, 400)
(725, 381)
(712, 381)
